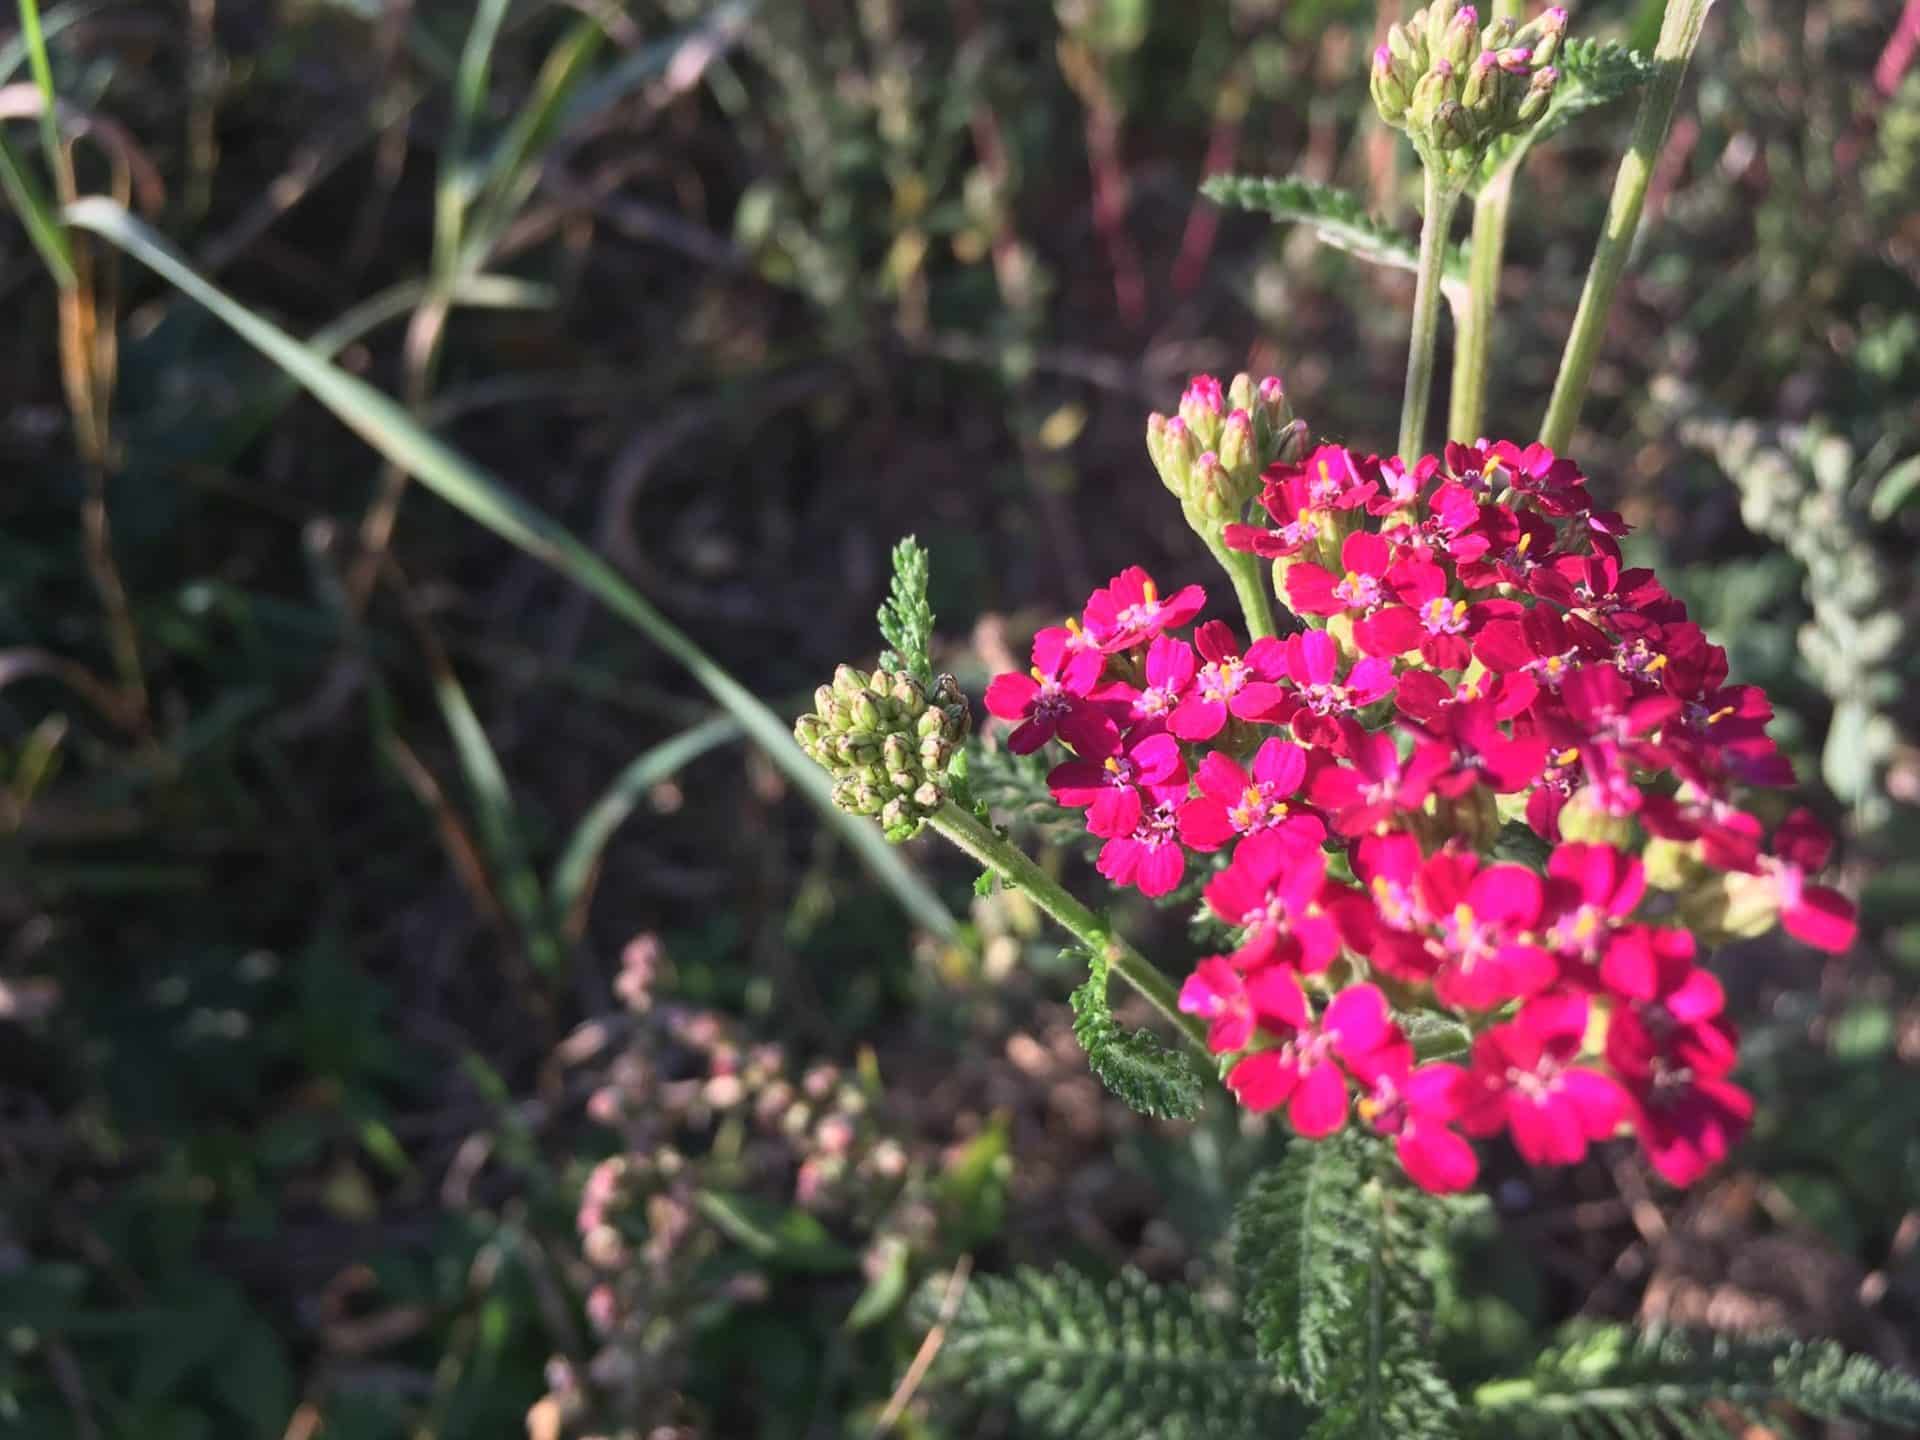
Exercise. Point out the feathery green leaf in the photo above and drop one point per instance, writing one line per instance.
(1133, 1064)
(906, 620)
(1614, 1380)
(1126, 1360)
(1335, 215)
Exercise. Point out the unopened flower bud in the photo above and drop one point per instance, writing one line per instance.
(1453, 127)
(1552, 30)
(1400, 44)
(1587, 818)
(1538, 95)
(1173, 448)
(1439, 15)
(1462, 36)
(1289, 443)
(1390, 94)
(1498, 35)
(1430, 93)
(1481, 92)
(1237, 454)
(1204, 407)
(848, 682)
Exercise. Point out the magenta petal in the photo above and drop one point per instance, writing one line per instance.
(1280, 765)
(1357, 1019)
(1597, 1099)
(1089, 731)
(1310, 591)
(1276, 996)
(1220, 778)
(1204, 825)
(1009, 695)
(1436, 1159)
(1261, 702)
(1196, 719)
(1263, 1081)
(1161, 868)
(1115, 813)
(1392, 631)
(1546, 1132)
(1320, 1103)
(1824, 919)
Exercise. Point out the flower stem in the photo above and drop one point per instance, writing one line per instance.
(1679, 33)
(1473, 327)
(1015, 869)
(1473, 341)
(1250, 584)
(1436, 213)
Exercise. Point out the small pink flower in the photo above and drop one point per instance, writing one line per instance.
(1229, 684)
(1234, 802)
(1314, 590)
(1128, 610)
(1049, 701)
(1525, 1080)
(1305, 1072)
(1816, 914)
(1484, 756)
(1427, 618)
(1151, 762)
(1377, 785)
(1233, 1004)
(1320, 697)
(1463, 927)
(1273, 890)
(1144, 848)
(1672, 1053)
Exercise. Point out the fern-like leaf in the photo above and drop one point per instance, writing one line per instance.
(1335, 215)
(1592, 73)
(1124, 1361)
(906, 619)
(1612, 1381)
(1299, 1258)
(1148, 1076)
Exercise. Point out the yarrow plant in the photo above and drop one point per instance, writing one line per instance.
(1466, 797)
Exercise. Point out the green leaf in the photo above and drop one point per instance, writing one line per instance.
(1133, 1064)
(906, 619)
(1592, 73)
(1299, 1258)
(1611, 1380)
(1896, 488)
(1335, 215)
(398, 437)
(785, 1239)
(886, 1289)
(1126, 1360)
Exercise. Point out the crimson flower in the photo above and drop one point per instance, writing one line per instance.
(1229, 684)
(1320, 697)
(1672, 1053)
(1128, 611)
(1275, 890)
(1525, 1079)
(1460, 926)
(1234, 802)
(1051, 700)
(1817, 914)
(1417, 1106)
(1377, 784)
(1143, 841)
(1314, 590)
(1304, 1072)
(1151, 762)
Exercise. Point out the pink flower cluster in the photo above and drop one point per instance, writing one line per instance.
(1477, 656)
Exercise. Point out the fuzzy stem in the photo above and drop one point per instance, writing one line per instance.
(1250, 584)
(1015, 869)
(1436, 212)
(1473, 338)
(1679, 33)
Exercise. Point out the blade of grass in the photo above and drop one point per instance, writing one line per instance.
(454, 188)
(384, 425)
(42, 68)
(569, 888)
(30, 204)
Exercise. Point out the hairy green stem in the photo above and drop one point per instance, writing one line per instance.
(1441, 196)
(1015, 869)
(1249, 578)
(1473, 336)
(1679, 34)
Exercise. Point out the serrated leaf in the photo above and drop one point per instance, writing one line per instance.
(1335, 215)
(906, 619)
(1124, 1360)
(1148, 1076)
(1592, 73)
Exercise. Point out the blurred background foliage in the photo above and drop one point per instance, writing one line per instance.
(320, 1113)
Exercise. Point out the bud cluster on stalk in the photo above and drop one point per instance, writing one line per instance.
(1455, 86)
(1212, 452)
(887, 742)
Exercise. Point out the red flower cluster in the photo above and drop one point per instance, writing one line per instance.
(1478, 656)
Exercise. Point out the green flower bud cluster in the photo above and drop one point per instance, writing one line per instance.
(1456, 87)
(1211, 454)
(887, 742)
